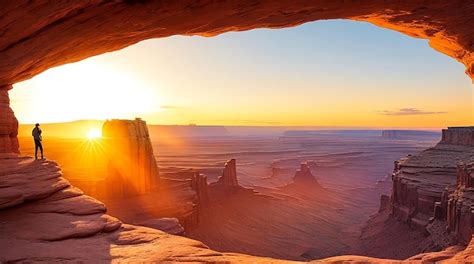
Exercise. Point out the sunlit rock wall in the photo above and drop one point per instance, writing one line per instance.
(132, 167)
(8, 124)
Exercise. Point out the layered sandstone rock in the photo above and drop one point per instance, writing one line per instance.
(201, 187)
(432, 190)
(419, 181)
(458, 136)
(8, 124)
(229, 175)
(192, 188)
(458, 208)
(132, 166)
(168, 225)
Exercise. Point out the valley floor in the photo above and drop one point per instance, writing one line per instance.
(276, 218)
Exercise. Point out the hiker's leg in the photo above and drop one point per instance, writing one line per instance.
(41, 148)
(36, 149)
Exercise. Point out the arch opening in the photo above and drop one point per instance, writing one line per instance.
(201, 234)
(28, 52)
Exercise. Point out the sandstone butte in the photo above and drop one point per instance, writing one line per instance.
(46, 219)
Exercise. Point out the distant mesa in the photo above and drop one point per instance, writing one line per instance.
(458, 136)
(409, 134)
(330, 132)
(187, 131)
(304, 175)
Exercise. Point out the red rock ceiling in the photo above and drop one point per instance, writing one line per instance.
(36, 35)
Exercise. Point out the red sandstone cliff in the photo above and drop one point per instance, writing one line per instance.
(229, 175)
(8, 124)
(132, 168)
(458, 136)
(432, 190)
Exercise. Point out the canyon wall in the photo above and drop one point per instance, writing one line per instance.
(132, 168)
(200, 186)
(458, 206)
(8, 124)
(433, 188)
(458, 136)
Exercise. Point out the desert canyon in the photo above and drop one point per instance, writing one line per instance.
(303, 203)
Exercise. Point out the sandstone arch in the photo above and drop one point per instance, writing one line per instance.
(35, 36)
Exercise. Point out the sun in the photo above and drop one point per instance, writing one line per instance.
(94, 133)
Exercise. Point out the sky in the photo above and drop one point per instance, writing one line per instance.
(325, 73)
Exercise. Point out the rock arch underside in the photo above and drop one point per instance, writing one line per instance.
(38, 35)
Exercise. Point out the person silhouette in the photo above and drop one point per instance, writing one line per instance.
(36, 133)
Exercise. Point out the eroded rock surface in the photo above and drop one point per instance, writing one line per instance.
(419, 181)
(432, 190)
(229, 175)
(168, 225)
(8, 123)
(458, 136)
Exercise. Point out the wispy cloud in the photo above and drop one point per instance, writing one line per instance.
(171, 107)
(409, 111)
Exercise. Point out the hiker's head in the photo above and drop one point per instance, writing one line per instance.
(37, 125)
